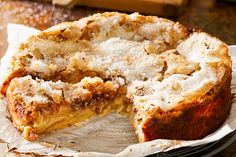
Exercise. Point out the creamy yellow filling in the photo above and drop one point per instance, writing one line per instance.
(66, 117)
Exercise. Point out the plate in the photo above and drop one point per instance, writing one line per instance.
(205, 150)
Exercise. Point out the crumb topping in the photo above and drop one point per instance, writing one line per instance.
(148, 53)
(149, 61)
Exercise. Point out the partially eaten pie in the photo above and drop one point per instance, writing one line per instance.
(172, 83)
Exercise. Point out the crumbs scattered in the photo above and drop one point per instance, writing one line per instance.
(40, 15)
(33, 14)
(175, 142)
(49, 145)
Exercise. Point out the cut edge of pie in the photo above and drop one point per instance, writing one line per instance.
(173, 83)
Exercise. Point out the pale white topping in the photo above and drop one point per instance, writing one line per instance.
(156, 60)
(167, 93)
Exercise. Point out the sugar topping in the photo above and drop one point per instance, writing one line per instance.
(155, 58)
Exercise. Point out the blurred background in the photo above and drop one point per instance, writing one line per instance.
(216, 17)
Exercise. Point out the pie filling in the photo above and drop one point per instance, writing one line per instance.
(43, 106)
(109, 62)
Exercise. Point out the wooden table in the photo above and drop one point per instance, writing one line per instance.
(215, 17)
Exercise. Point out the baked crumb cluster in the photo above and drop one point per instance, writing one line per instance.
(146, 62)
(36, 95)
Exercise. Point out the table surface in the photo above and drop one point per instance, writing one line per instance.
(215, 17)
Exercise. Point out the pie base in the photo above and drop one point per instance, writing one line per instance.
(172, 82)
(190, 121)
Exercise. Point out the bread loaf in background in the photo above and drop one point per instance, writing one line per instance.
(170, 8)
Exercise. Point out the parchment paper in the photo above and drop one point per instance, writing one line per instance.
(107, 136)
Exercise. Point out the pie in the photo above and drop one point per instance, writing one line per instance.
(172, 82)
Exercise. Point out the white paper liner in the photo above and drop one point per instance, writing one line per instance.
(107, 136)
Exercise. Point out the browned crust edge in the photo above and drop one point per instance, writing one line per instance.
(191, 121)
(187, 121)
(16, 112)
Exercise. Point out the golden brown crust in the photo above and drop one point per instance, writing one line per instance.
(5, 84)
(79, 34)
(178, 82)
(35, 110)
(191, 121)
